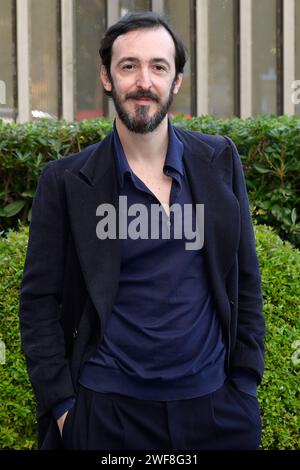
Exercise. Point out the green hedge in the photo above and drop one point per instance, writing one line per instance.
(269, 147)
(270, 150)
(25, 148)
(17, 413)
(279, 392)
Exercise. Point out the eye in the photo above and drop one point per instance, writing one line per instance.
(128, 67)
(160, 68)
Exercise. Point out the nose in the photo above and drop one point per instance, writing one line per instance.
(144, 79)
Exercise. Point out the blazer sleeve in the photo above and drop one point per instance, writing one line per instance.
(41, 293)
(249, 347)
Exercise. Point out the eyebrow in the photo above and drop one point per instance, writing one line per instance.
(134, 59)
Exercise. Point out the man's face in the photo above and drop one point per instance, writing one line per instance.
(143, 79)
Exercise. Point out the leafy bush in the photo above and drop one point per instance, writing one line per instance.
(278, 394)
(17, 411)
(269, 147)
(25, 148)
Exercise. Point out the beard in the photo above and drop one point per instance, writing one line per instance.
(139, 120)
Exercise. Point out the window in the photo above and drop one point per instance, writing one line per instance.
(180, 15)
(7, 61)
(221, 57)
(45, 58)
(127, 6)
(264, 60)
(90, 101)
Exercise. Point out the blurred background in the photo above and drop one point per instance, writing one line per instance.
(243, 56)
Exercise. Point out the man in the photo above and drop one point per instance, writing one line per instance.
(133, 340)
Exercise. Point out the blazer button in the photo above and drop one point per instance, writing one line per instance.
(75, 333)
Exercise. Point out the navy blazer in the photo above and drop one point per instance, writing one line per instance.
(71, 277)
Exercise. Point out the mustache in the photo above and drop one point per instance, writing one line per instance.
(142, 94)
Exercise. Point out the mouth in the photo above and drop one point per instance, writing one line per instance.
(143, 101)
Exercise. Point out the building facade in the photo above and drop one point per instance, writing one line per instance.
(244, 56)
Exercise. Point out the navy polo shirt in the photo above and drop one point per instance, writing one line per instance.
(163, 340)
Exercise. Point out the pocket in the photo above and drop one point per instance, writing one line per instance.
(67, 427)
(236, 417)
(232, 384)
(246, 402)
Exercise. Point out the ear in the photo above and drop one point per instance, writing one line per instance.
(178, 82)
(105, 79)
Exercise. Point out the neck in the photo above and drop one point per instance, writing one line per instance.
(150, 148)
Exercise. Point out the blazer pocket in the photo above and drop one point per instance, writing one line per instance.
(67, 427)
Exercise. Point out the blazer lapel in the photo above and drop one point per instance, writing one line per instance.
(99, 259)
(208, 184)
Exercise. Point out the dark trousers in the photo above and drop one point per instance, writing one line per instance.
(224, 419)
